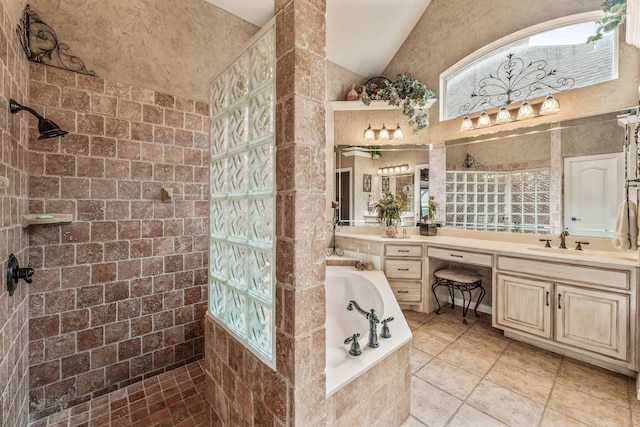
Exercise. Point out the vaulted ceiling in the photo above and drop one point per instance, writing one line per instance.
(362, 35)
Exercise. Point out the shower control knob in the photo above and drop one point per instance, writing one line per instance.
(26, 273)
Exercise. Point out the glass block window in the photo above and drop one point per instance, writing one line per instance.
(510, 70)
(242, 185)
(495, 201)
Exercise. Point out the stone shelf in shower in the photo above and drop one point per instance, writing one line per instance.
(42, 219)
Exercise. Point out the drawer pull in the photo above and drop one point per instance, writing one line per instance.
(403, 250)
(457, 256)
(403, 269)
(403, 292)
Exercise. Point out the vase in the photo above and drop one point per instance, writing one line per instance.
(391, 231)
(352, 95)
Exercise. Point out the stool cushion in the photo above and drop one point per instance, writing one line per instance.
(458, 275)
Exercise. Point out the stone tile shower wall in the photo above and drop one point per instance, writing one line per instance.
(119, 293)
(14, 310)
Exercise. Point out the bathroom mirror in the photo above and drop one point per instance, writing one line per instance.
(518, 154)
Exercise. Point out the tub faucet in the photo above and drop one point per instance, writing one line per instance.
(564, 234)
(373, 323)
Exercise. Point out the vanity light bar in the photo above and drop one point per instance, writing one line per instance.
(549, 106)
(393, 169)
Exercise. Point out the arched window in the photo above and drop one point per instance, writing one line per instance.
(546, 58)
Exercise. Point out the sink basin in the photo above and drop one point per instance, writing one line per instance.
(558, 251)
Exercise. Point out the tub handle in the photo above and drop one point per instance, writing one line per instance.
(385, 328)
(355, 345)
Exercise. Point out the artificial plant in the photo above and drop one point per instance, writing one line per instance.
(407, 93)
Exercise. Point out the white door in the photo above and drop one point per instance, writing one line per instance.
(593, 189)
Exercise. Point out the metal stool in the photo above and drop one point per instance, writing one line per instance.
(462, 280)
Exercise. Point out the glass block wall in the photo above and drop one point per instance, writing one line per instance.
(494, 201)
(242, 250)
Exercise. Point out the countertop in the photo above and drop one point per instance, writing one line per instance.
(533, 249)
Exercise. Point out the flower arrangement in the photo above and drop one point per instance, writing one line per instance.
(407, 93)
(615, 14)
(389, 208)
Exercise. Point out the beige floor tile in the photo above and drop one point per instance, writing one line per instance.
(411, 422)
(587, 408)
(416, 319)
(505, 405)
(428, 343)
(471, 360)
(598, 382)
(418, 360)
(526, 383)
(527, 357)
(447, 329)
(449, 378)
(430, 405)
(487, 344)
(469, 416)
(552, 418)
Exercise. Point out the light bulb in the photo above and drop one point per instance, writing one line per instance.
(397, 134)
(549, 106)
(484, 120)
(384, 133)
(525, 111)
(467, 124)
(503, 116)
(369, 135)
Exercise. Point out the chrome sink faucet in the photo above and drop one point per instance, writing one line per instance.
(563, 235)
(373, 323)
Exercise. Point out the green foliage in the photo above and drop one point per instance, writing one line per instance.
(615, 13)
(433, 208)
(407, 93)
(389, 208)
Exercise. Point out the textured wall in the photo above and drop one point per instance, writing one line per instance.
(14, 334)
(450, 30)
(435, 44)
(119, 293)
(172, 46)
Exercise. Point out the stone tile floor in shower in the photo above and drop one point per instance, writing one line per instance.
(471, 375)
(172, 399)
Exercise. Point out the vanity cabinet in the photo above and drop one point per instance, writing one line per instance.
(403, 266)
(581, 309)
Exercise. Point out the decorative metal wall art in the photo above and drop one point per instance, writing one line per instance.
(40, 43)
(513, 79)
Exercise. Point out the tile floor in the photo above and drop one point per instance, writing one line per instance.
(172, 399)
(471, 375)
(463, 375)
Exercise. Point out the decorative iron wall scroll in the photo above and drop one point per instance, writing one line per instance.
(513, 80)
(40, 43)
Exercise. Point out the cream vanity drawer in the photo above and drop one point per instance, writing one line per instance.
(407, 292)
(599, 277)
(403, 250)
(460, 256)
(403, 268)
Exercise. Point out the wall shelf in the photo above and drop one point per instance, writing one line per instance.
(41, 219)
(375, 105)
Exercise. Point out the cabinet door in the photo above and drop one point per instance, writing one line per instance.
(592, 320)
(524, 305)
